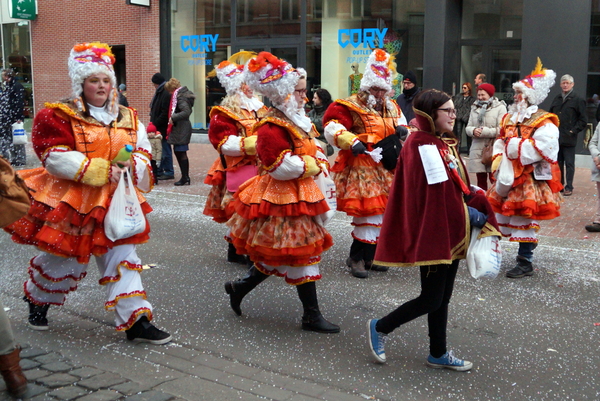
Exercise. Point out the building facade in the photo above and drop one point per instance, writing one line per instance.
(444, 42)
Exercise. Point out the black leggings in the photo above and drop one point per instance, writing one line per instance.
(437, 282)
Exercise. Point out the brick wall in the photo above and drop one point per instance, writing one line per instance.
(61, 24)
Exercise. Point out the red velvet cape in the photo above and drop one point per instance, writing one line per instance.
(423, 224)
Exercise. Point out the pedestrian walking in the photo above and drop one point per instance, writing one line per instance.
(356, 125)
(483, 127)
(77, 142)
(420, 199)
(231, 133)
(572, 116)
(12, 104)
(179, 128)
(275, 220)
(159, 116)
(528, 184)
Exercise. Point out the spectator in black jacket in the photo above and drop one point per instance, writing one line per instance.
(409, 91)
(12, 103)
(159, 116)
(571, 113)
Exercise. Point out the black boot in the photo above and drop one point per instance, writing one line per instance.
(237, 290)
(522, 269)
(312, 320)
(233, 257)
(144, 331)
(37, 315)
(182, 181)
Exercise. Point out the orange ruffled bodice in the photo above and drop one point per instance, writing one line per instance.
(528, 198)
(274, 219)
(66, 216)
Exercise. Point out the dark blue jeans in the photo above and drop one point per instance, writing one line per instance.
(437, 283)
(526, 250)
(166, 163)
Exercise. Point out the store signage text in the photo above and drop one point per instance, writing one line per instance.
(201, 43)
(365, 37)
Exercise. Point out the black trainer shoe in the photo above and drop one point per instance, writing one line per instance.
(144, 331)
(37, 316)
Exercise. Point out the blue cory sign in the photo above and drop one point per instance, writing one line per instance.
(366, 37)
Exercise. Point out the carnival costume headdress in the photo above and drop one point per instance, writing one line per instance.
(536, 86)
(87, 59)
(231, 71)
(272, 77)
(379, 72)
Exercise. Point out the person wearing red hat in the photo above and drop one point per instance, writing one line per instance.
(484, 127)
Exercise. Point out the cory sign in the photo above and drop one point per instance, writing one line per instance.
(366, 37)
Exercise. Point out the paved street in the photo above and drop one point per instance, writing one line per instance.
(529, 339)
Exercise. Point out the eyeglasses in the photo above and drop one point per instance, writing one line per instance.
(300, 91)
(449, 111)
(464, 87)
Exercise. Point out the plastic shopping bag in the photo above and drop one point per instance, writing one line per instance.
(19, 134)
(484, 255)
(327, 187)
(505, 177)
(124, 218)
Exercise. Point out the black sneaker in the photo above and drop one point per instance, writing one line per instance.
(522, 269)
(37, 316)
(144, 331)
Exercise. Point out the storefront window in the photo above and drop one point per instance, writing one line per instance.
(332, 41)
(16, 53)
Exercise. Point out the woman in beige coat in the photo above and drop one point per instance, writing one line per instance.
(483, 127)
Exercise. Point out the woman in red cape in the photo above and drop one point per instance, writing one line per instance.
(427, 224)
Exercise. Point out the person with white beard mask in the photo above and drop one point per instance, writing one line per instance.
(356, 125)
(276, 212)
(525, 166)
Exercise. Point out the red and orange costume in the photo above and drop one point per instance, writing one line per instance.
(527, 143)
(71, 194)
(275, 214)
(230, 132)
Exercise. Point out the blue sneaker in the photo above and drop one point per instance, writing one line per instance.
(376, 341)
(448, 361)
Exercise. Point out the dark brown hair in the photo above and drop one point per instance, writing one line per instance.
(429, 100)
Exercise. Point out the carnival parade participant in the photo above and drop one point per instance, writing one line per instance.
(230, 132)
(77, 141)
(525, 166)
(427, 224)
(356, 125)
(276, 212)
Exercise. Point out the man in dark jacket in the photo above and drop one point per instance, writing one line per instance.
(159, 116)
(571, 113)
(409, 91)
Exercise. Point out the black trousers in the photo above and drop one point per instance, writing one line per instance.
(437, 282)
(566, 161)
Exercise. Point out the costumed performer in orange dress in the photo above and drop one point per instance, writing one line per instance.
(355, 125)
(276, 212)
(428, 223)
(76, 141)
(230, 132)
(529, 141)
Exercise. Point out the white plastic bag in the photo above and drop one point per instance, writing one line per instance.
(505, 177)
(19, 134)
(327, 187)
(124, 218)
(484, 255)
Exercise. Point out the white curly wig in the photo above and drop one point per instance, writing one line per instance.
(536, 86)
(272, 77)
(379, 71)
(87, 59)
